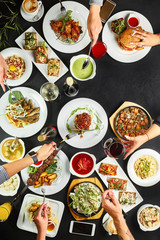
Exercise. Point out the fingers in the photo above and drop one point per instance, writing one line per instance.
(129, 138)
(95, 37)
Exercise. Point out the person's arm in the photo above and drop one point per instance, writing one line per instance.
(135, 142)
(94, 24)
(147, 39)
(3, 71)
(113, 208)
(16, 166)
(41, 221)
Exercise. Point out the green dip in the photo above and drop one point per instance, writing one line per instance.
(79, 72)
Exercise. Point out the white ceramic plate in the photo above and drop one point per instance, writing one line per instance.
(3, 192)
(23, 222)
(79, 13)
(130, 168)
(141, 226)
(43, 68)
(58, 184)
(109, 38)
(89, 139)
(28, 130)
(8, 52)
(1, 155)
(120, 174)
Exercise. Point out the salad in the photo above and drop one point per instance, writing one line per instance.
(86, 199)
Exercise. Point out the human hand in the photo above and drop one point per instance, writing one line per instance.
(147, 39)
(111, 204)
(133, 143)
(41, 219)
(3, 72)
(94, 24)
(45, 151)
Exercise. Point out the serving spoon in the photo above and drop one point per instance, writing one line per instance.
(87, 60)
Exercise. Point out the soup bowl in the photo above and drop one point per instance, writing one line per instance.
(76, 68)
(82, 164)
(3, 158)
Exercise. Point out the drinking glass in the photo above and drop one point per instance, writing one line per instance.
(99, 49)
(5, 210)
(49, 91)
(114, 148)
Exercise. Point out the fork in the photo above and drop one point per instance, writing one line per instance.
(43, 190)
(14, 99)
(68, 136)
(63, 10)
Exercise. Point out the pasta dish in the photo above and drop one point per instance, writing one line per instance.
(149, 217)
(15, 67)
(145, 167)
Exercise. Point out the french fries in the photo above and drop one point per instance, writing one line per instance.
(46, 179)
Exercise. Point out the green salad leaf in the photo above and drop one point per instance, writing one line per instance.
(43, 45)
(18, 95)
(52, 168)
(66, 19)
(32, 169)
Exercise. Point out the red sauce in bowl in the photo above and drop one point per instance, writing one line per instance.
(38, 163)
(133, 22)
(82, 164)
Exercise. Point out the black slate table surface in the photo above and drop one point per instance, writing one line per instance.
(114, 83)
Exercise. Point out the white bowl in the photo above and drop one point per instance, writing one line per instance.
(82, 175)
(11, 193)
(1, 155)
(73, 59)
(131, 172)
(139, 211)
(105, 221)
(135, 16)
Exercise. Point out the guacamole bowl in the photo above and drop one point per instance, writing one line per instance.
(76, 70)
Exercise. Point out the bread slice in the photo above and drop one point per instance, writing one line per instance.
(108, 169)
(117, 184)
(41, 55)
(127, 198)
(30, 41)
(53, 67)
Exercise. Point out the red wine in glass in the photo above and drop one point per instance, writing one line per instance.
(113, 148)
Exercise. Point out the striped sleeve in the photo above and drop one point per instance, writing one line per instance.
(3, 175)
(97, 2)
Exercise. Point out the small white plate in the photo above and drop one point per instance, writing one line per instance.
(110, 38)
(79, 13)
(28, 130)
(131, 172)
(58, 184)
(30, 19)
(120, 174)
(23, 222)
(89, 139)
(11, 193)
(1, 155)
(43, 68)
(141, 226)
(8, 52)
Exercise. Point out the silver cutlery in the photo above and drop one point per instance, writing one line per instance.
(63, 10)
(36, 17)
(43, 190)
(86, 62)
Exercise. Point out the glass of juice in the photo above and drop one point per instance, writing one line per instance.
(114, 148)
(99, 49)
(5, 210)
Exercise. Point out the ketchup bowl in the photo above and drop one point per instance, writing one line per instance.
(133, 20)
(82, 164)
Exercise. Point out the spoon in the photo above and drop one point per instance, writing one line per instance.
(86, 62)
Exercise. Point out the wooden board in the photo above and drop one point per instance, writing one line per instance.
(81, 180)
(124, 105)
